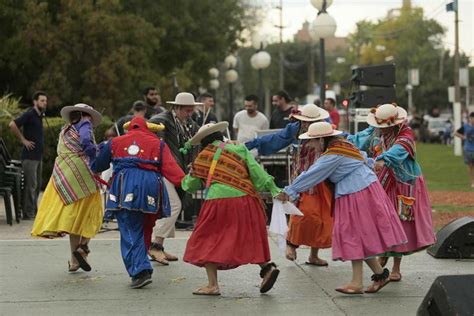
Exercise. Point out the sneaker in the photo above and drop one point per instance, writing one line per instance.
(140, 280)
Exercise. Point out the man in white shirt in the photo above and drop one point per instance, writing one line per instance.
(247, 122)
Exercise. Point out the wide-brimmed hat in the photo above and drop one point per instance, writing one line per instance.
(152, 127)
(184, 99)
(206, 130)
(386, 115)
(81, 107)
(310, 113)
(320, 129)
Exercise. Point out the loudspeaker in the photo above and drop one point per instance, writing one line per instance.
(449, 295)
(373, 97)
(376, 76)
(455, 240)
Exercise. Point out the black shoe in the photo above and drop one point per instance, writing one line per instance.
(140, 280)
(28, 218)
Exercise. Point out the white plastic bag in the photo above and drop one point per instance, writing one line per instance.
(278, 223)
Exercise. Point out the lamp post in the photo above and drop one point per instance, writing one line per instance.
(259, 61)
(231, 76)
(214, 82)
(323, 26)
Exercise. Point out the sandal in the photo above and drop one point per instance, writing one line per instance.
(380, 280)
(349, 290)
(72, 268)
(269, 273)
(80, 254)
(395, 277)
(318, 263)
(169, 256)
(201, 291)
(157, 254)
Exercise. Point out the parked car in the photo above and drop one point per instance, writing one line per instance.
(432, 130)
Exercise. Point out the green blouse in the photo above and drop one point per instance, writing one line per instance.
(260, 179)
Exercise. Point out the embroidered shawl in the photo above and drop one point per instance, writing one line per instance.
(72, 177)
(230, 169)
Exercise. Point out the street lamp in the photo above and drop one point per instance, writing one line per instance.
(323, 26)
(231, 76)
(259, 61)
(213, 82)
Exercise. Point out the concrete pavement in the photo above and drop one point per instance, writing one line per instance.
(33, 280)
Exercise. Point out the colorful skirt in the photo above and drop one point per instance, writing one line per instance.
(314, 229)
(365, 224)
(420, 231)
(229, 232)
(54, 219)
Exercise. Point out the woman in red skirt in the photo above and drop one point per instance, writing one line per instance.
(231, 228)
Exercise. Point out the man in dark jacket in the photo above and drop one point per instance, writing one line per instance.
(179, 128)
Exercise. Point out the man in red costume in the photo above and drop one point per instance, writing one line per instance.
(137, 194)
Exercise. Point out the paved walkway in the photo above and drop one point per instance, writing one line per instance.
(33, 280)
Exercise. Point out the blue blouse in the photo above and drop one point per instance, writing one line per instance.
(272, 143)
(348, 174)
(84, 127)
(396, 157)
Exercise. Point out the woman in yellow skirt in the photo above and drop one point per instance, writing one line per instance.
(71, 203)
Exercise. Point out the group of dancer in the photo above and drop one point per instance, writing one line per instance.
(363, 195)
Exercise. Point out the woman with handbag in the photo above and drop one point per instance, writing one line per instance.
(390, 141)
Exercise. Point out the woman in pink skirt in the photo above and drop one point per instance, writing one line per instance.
(391, 143)
(365, 222)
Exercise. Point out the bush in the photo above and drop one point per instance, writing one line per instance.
(52, 126)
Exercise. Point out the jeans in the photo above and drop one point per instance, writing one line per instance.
(32, 170)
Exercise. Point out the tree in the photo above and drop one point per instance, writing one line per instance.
(412, 41)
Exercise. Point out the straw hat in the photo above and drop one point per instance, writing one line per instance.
(318, 130)
(184, 98)
(152, 127)
(81, 107)
(310, 113)
(386, 115)
(206, 130)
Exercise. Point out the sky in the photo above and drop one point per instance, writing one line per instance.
(348, 12)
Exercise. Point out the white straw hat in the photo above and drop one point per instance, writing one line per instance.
(310, 113)
(208, 129)
(184, 98)
(318, 130)
(81, 107)
(386, 115)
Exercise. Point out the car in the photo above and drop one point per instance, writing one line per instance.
(432, 129)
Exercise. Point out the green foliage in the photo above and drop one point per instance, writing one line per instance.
(439, 165)
(104, 52)
(52, 127)
(9, 106)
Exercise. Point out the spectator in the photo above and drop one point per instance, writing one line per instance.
(152, 101)
(247, 122)
(139, 108)
(280, 116)
(448, 133)
(203, 113)
(330, 106)
(31, 156)
(466, 133)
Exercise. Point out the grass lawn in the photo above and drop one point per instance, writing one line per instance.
(442, 170)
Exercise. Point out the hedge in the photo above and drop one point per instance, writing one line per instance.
(52, 127)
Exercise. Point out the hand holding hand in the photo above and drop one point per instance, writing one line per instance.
(282, 196)
(379, 164)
